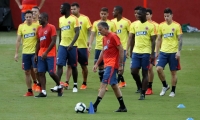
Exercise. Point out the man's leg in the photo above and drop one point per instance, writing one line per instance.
(85, 74)
(42, 78)
(120, 76)
(68, 75)
(75, 78)
(151, 77)
(136, 77)
(56, 80)
(28, 83)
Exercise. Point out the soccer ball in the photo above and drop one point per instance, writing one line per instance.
(80, 107)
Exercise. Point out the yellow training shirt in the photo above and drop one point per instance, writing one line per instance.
(169, 35)
(67, 26)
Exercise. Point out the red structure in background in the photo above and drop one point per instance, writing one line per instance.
(185, 11)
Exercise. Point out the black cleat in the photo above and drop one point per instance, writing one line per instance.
(138, 91)
(60, 92)
(121, 110)
(41, 95)
(142, 97)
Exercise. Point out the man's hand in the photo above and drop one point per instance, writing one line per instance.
(178, 54)
(127, 55)
(95, 68)
(69, 47)
(152, 57)
(120, 70)
(44, 56)
(20, 7)
(35, 58)
(90, 47)
(16, 57)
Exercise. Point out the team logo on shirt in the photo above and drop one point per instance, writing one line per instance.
(108, 41)
(146, 28)
(65, 27)
(99, 33)
(81, 23)
(69, 22)
(141, 33)
(34, 29)
(42, 38)
(45, 32)
(173, 29)
(168, 35)
(121, 26)
(29, 35)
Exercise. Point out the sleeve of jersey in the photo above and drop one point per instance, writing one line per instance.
(19, 31)
(117, 40)
(53, 30)
(94, 27)
(159, 30)
(114, 28)
(132, 30)
(59, 23)
(128, 25)
(76, 24)
(88, 23)
(153, 30)
(179, 30)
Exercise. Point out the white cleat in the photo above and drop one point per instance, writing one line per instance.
(164, 89)
(75, 89)
(54, 89)
(172, 94)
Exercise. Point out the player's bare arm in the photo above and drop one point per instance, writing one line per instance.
(130, 36)
(37, 50)
(53, 42)
(158, 44)
(132, 44)
(41, 4)
(92, 35)
(18, 41)
(180, 43)
(98, 61)
(19, 4)
(121, 59)
(89, 32)
(77, 31)
(153, 40)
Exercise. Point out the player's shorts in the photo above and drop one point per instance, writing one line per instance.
(165, 58)
(140, 60)
(28, 61)
(110, 75)
(48, 64)
(96, 57)
(153, 62)
(83, 56)
(67, 56)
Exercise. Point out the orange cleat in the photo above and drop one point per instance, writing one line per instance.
(83, 86)
(34, 87)
(65, 85)
(122, 84)
(29, 94)
(149, 91)
(38, 88)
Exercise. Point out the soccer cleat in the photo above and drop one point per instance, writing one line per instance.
(121, 110)
(34, 87)
(38, 88)
(60, 92)
(149, 91)
(65, 85)
(75, 89)
(41, 95)
(54, 89)
(122, 84)
(142, 97)
(172, 94)
(28, 94)
(164, 89)
(83, 87)
(138, 91)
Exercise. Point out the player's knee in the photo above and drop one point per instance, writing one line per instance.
(27, 72)
(35, 70)
(159, 69)
(134, 72)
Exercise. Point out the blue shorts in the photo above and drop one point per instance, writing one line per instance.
(140, 60)
(96, 57)
(110, 76)
(83, 56)
(28, 61)
(48, 64)
(67, 56)
(165, 58)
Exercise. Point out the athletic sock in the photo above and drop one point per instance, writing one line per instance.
(98, 100)
(120, 78)
(173, 89)
(150, 85)
(30, 90)
(67, 82)
(35, 82)
(84, 83)
(44, 92)
(121, 102)
(164, 83)
(143, 92)
(101, 72)
(75, 85)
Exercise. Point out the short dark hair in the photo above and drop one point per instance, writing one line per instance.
(75, 4)
(143, 10)
(66, 6)
(119, 8)
(104, 9)
(45, 15)
(104, 25)
(149, 10)
(168, 10)
(28, 12)
(36, 7)
(137, 8)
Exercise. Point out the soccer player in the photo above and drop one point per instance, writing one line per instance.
(95, 32)
(67, 51)
(27, 32)
(27, 5)
(36, 13)
(85, 26)
(130, 43)
(45, 54)
(122, 25)
(171, 35)
(152, 63)
(112, 54)
(144, 33)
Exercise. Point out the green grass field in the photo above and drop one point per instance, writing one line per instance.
(13, 106)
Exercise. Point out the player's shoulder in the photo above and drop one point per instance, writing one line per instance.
(96, 22)
(84, 16)
(155, 23)
(151, 23)
(162, 23)
(73, 17)
(125, 19)
(110, 22)
(114, 19)
(175, 23)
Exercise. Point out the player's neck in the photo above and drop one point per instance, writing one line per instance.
(29, 23)
(169, 22)
(143, 21)
(67, 15)
(119, 17)
(104, 20)
(106, 34)
(45, 24)
(78, 15)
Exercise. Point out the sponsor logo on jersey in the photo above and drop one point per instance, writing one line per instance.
(168, 35)
(42, 38)
(29, 35)
(65, 27)
(141, 33)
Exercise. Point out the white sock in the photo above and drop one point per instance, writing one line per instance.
(75, 83)
(44, 92)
